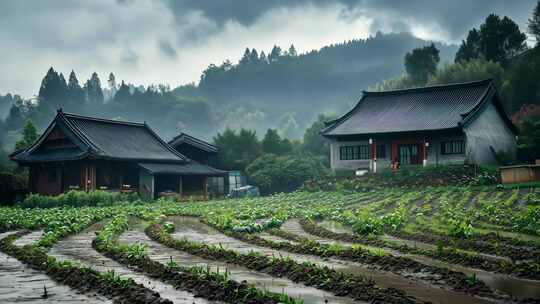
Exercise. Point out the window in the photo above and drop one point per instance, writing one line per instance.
(381, 151)
(354, 152)
(452, 147)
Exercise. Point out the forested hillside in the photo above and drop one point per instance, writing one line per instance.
(283, 90)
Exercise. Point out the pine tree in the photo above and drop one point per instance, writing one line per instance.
(123, 94)
(246, 57)
(262, 57)
(292, 51)
(53, 91)
(274, 54)
(75, 92)
(498, 39)
(534, 23)
(112, 81)
(253, 56)
(470, 47)
(92, 88)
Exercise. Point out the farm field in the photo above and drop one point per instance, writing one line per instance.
(432, 244)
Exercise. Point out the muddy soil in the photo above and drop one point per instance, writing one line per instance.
(519, 288)
(78, 248)
(262, 281)
(192, 229)
(21, 284)
(30, 238)
(273, 238)
(340, 228)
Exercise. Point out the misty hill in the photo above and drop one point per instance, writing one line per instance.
(285, 90)
(282, 90)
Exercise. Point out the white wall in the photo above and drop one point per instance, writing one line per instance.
(337, 164)
(489, 129)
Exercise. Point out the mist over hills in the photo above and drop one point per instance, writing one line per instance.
(278, 89)
(288, 91)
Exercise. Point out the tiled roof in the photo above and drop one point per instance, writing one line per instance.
(107, 139)
(191, 168)
(193, 141)
(419, 109)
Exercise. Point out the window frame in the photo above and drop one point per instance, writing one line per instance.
(456, 147)
(355, 152)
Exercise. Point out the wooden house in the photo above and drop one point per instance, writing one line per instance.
(444, 124)
(205, 153)
(87, 153)
(195, 148)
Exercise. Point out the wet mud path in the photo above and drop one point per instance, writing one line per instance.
(192, 229)
(21, 284)
(163, 254)
(519, 288)
(78, 248)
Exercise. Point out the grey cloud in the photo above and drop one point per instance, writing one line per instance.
(167, 49)
(455, 17)
(129, 57)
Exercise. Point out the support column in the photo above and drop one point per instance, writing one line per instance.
(373, 147)
(424, 150)
(180, 186)
(205, 187)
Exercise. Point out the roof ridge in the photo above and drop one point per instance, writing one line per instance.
(430, 88)
(165, 144)
(193, 138)
(113, 121)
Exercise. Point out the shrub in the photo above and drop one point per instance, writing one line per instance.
(274, 173)
(366, 224)
(76, 199)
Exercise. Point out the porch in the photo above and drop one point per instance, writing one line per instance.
(386, 153)
(149, 180)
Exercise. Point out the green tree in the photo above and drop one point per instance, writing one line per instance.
(499, 39)
(274, 54)
(29, 136)
(534, 23)
(470, 47)
(521, 84)
(292, 51)
(74, 91)
(272, 143)
(314, 143)
(236, 151)
(463, 71)
(530, 133)
(286, 173)
(53, 91)
(93, 91)
(420, 63)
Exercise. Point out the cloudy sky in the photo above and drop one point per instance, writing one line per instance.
(161, 41)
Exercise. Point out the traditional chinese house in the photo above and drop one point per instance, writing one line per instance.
(444, 124)
(195, 148)
(204, 153)
(87, 153)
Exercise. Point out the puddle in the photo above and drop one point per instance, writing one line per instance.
(163, 254)
(21, 284)
(520, 288)
(78, 248)
(193, 229)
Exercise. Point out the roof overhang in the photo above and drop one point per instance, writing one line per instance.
(191, 168)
